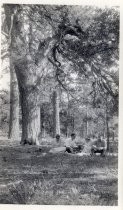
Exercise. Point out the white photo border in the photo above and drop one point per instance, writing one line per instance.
(99, 3)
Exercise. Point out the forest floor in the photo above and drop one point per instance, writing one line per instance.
(29, 175)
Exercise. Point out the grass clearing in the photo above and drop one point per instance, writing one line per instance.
(29, 175)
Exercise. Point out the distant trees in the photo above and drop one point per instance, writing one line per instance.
(57, 38)
(56, 113)
(4, 110)
(7, 27)
(14, 106)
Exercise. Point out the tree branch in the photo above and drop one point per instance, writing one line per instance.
(5, 34)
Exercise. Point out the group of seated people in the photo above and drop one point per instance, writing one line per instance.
(86, 147)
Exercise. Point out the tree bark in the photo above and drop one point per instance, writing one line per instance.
(30, 117)
(56, 113)
(14, 106)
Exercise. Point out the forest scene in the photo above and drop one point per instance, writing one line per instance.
(59, 98)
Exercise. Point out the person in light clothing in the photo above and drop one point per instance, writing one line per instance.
(71, 145)
(87, 146)
(58, 146)
(58, 141)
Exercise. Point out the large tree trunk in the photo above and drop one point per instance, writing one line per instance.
(30, 117)
(29, 89)
(56, 113)
(29, 66)
(29, 80)
(14, 106)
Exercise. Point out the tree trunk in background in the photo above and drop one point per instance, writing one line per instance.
(56, 113)
(113, 135)
(107, 127)
(42, 122)
(66, 126)
(86, 121)
(68, 116)
(73, 124)
(14, 92)
(14, 106)
(86, 128)
(82, 131)
(43, 132)
(30, 117)
(107, 131)
(104, 130)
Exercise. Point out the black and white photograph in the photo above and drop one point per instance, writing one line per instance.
(59, 104)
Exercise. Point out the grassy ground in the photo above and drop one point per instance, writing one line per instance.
(31, 176)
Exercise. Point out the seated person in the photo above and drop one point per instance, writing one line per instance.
(58, 145)
(71, 146)
(99, 146)
(58, 140)
(87, 146)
